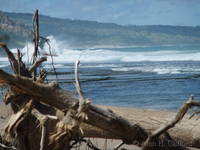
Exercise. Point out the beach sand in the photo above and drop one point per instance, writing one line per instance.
(106, 144)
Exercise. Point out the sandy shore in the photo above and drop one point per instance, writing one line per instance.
(109, 144)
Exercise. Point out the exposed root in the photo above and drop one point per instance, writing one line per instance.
(16, 119)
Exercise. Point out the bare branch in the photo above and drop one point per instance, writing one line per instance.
(7, 147)
(78, 86)
(37, 63)
(181, 113)
(43, 123)
(195, 113)
(16, 119)
(36, 34)
(118, 146)
(42, 137)
(19, 61)
(11, 57)
(36, 39)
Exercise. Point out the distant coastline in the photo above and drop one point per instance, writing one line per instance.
(16, 27)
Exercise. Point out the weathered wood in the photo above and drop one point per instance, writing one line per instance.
(37, 63)
(163, 129)
(52, 95)
(11, 57)
(111, 124)
(36, 35)
(186, 132)
(17, 65)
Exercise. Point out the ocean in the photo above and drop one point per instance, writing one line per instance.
(152, 77)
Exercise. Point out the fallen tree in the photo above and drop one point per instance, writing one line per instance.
(48, 117)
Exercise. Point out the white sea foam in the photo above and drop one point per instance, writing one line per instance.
(55, 65)
(101, 65)
(3, 62)
(67, 55)
(158, 69)
(2, 66)
(3, 59)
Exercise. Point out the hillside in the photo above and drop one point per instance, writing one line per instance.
(12, 32)
(90, 33)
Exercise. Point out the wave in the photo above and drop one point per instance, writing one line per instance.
(2, 66)
(49, 66)
(3, 59)
(3, 62)
(64, 54)
(116, 56)
(158, 69)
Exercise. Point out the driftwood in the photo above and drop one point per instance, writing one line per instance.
(48, 117)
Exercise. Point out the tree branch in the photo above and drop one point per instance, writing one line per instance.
(37, 63)
(52, 95)
(181, 113)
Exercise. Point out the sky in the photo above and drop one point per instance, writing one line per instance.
(125, 12)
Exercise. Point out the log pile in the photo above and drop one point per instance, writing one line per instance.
(47, 117)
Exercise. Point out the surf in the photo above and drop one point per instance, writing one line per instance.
(64, 54)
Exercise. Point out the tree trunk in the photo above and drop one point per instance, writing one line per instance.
(52, 95)
(107, 124)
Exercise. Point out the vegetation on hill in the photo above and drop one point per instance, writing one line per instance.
(90, 33)
(11, 32)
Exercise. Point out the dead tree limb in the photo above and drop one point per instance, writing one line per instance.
(52, 95)
(78, 86)
(11, 57)
(37, 63)
(8, 147)
(195, 113)
(181, 113)
(16, 119)
(36, 39)
(36, 34)
(17, 65)
(83, 104)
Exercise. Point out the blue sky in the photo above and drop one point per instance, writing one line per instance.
(136, 12)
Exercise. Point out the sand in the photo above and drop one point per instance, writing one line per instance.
(104, 144)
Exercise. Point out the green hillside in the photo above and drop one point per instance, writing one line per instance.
(13, 33)
(91, 33)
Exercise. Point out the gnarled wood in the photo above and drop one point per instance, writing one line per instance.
(37, 63)
(52, 95)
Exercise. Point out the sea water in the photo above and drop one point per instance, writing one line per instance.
(154, 77)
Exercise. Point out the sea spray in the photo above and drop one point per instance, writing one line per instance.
(64, 54)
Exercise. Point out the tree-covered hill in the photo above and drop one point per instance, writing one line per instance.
(90, 33)
(11, 32)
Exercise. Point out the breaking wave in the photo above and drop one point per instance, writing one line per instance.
(158, 69)
(64, 54)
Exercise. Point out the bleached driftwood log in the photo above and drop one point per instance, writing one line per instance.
(120, 128)
(54, 96)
